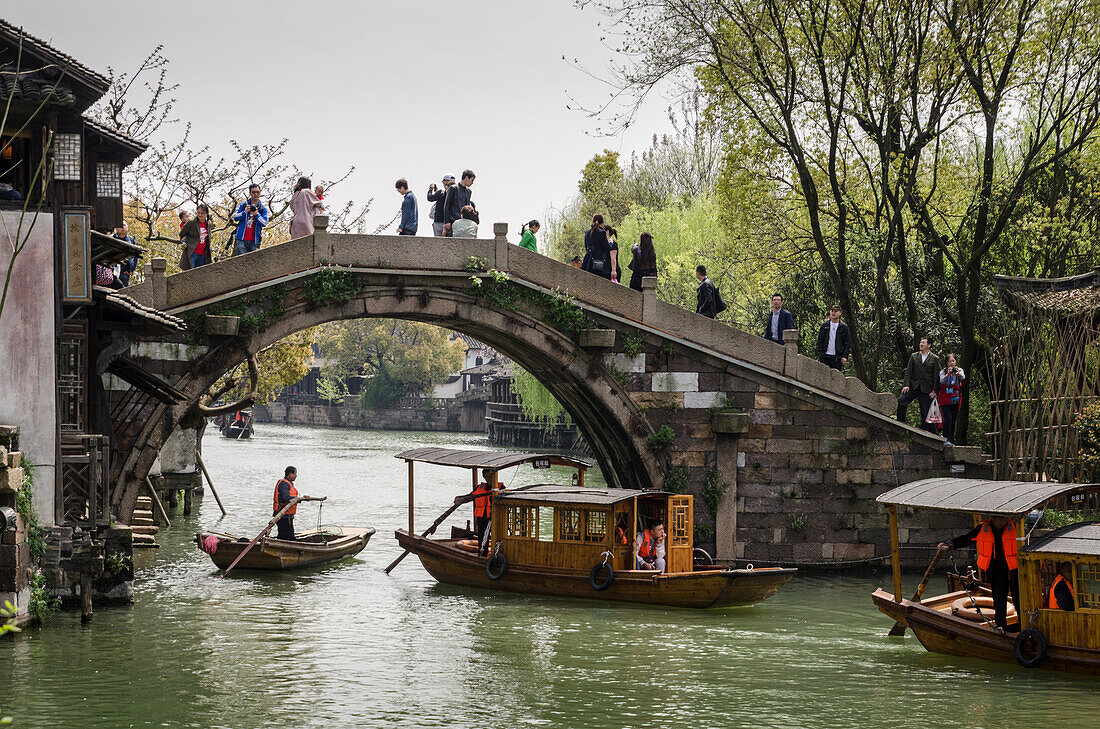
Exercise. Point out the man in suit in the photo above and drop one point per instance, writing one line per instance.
(778, 320)
(921, 377)
(834, 342)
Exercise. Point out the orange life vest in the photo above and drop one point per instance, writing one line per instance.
(276, 506)
(985, 545)
(1052, 602)
(622, 535)
(482, 504)
(647, 550)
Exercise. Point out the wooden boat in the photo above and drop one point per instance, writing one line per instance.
(238, 425)
(1050, 638)
(312, 548)
(574, 541)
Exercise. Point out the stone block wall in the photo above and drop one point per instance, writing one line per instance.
(446, 417)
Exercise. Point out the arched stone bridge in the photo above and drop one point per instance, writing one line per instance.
(664, 397)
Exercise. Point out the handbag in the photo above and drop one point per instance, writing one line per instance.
(934, 417)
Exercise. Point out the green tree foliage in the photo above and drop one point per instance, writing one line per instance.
(397, 356)
(898, 150)
(600, 190)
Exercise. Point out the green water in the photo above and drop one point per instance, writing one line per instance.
(346, 645)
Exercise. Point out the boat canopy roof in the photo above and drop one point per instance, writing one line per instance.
(553, 494)
(1081, 539)
(977, 496)
(492, 460)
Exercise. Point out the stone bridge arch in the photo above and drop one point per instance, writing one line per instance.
(612, 422)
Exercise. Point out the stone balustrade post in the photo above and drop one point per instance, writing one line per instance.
(790, 344)
(322, 244)
(500, 237)
(158, 283)
(649, 298)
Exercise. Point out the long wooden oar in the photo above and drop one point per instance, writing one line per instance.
(459, 501)
(431, 530)
(899, 627)
(210, 482)
(270, 524)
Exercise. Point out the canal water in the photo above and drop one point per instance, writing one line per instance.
(346, 645)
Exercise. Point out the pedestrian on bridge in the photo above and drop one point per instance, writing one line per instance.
(921, 381)
(466, 226)
(779, 320)
(409, 213)
(195, 237)
(251, 216)
(834, 341)
(458, 197)
(527, 236)
(438, 198)
(708, 302)
(644, 261)
(304, 204)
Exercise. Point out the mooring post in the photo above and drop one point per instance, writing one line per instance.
(85, 597)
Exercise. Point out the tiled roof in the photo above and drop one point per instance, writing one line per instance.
(116, 136)
(1067, 296)
(12, 33)
(119, 300)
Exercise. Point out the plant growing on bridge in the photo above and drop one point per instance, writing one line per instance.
(332, 286)
(676, 478)
(633, 343)
(474, 264)
(713, 490)
(662, 439)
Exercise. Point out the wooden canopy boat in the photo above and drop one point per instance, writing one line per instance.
(1055, 639)
(574, 541)
(310, 549)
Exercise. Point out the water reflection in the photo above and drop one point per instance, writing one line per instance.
(345, 645)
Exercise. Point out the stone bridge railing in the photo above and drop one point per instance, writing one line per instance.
(241, 274)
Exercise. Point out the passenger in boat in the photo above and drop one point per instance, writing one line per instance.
(1061, 592)
(620, 530)
(649, 548)
(284, 492)
(996, 540)
(482, 510)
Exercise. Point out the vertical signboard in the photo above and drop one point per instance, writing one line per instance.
(76, 268)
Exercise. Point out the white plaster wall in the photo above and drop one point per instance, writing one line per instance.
(28, 364)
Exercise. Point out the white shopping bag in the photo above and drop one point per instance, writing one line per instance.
(934, 417)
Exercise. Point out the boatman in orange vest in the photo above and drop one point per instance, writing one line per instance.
(482, 510)
(996, 540)
(1061, 592)
(284, 492)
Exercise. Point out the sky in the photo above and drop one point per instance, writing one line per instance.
(409, 89)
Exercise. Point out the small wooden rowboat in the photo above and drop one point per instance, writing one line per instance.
(312, 548)
(574, 541)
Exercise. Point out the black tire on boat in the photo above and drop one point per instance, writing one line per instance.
(1030, 648)
(496, 566)
(600, 583)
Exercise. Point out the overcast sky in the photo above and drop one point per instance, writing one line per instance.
(397, 89)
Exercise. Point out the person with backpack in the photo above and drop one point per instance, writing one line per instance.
(601, 255)
(708, 302)
(949, 395)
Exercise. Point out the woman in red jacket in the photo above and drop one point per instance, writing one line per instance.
(949, 395)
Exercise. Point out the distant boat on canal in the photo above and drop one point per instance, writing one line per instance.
(574, 541)
(236, 426)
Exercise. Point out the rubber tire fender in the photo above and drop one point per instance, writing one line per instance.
(496, 566)
(1040, 652)
(599, 585)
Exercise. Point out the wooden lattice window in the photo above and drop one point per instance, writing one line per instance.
(569, 525)
(595, 527)
(71, 372)
(66, 157)
(108, 179)
(679, 527)
(521, 522)
(1088, 586)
